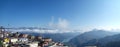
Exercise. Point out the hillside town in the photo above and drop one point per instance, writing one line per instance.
(16, 39)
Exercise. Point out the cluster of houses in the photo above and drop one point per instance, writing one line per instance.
(9, 39)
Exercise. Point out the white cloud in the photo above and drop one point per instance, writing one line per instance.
(51, 23)
(61, 24)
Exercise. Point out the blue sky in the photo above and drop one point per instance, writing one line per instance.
(78, 14)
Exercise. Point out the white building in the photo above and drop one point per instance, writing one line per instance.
(23, 39)
(1, 35)
(34, 44)
(14, 40)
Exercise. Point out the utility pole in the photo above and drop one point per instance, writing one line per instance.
(2, 39)
(2, 30)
